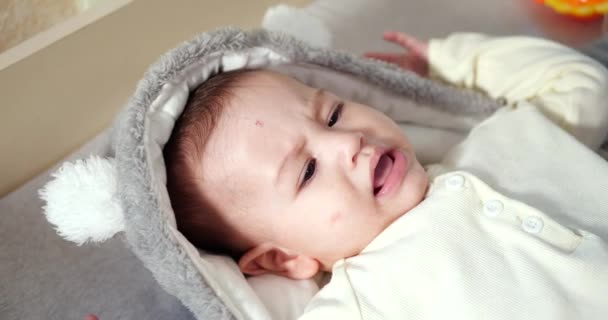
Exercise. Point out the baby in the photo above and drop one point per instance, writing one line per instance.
(293, 180)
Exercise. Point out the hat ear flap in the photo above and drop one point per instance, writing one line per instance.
(81, 200)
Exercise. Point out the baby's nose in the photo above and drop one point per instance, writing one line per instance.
(349, 145)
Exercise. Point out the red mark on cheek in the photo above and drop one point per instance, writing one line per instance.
(335, 217)
(259, 123)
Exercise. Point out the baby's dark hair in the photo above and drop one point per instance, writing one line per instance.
(199, 221)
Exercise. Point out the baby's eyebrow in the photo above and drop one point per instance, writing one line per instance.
(314, 103)
(294, 151)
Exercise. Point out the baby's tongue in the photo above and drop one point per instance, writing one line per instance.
(385, 164)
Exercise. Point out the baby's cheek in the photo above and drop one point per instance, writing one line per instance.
(335, 217)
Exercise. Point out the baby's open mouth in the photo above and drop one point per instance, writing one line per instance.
(382, 171)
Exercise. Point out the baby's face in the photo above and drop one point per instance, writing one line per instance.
(308, 171)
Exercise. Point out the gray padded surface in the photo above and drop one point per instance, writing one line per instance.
(45, 277)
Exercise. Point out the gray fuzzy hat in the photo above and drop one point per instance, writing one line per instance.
(91, 200)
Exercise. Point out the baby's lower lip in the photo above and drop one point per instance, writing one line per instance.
(397, 174)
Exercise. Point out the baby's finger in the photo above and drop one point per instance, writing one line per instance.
(388, 57)
(406, 41)
(400, 39)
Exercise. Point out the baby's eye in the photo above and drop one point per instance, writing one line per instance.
(335, 115)
(311, 167)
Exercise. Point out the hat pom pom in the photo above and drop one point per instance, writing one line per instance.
(81, 201)
(298, 23)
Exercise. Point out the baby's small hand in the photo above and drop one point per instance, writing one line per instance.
(414, 59)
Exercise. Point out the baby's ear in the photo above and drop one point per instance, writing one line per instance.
(268, 258)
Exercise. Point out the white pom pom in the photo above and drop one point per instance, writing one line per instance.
(298, 23)
(81, 201)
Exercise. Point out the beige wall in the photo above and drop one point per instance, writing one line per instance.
(63, 95)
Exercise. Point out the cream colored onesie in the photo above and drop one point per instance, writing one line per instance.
(515, 222)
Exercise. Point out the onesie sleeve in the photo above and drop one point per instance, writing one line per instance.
(569, 88)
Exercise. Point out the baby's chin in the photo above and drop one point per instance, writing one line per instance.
(422, 184)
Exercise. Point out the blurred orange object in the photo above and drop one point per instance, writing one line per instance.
(578, 8)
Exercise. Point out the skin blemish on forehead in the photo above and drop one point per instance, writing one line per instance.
(259, 124)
